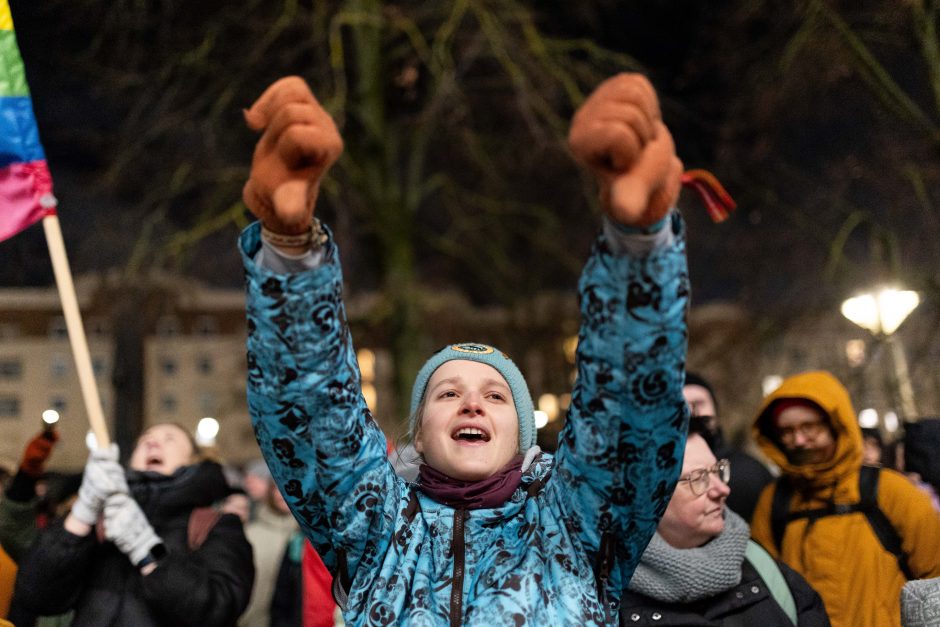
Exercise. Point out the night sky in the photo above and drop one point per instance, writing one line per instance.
(802, 135)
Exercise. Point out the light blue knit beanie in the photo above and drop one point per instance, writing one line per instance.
(492, 357)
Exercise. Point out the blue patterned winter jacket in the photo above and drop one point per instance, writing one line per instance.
(564, 546)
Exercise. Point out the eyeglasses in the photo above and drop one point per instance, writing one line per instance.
(700, 479)
(809, 430)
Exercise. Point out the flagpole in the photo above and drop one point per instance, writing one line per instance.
(73, 323)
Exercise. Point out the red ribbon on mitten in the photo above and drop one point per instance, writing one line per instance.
(717, 200)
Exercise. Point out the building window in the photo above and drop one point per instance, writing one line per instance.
(97, 326)
(168, 326)
(168, 404)
(9, 407)
(57, 329)
(168, 366)
(207, 403)
(58, 403)
(59, 366)
(11, 368)
(204, 364)
(99, 365)
(206, 325)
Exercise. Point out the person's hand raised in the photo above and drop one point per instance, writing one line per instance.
(38, 451)
(103, 477)
(618, 133)
(299, 143)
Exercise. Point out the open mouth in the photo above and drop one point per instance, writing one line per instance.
(153, 460)
(470, 435)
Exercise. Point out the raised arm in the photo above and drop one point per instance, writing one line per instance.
(622, 446)
(18, 507)
(326, 453)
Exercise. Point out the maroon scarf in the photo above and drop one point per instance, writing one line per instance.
(483, 494)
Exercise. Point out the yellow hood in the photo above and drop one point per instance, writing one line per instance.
(825, 390)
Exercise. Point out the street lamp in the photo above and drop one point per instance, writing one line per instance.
(49, 419)
(206, 431)
(881, 313)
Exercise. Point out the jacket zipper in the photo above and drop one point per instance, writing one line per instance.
(456, 590)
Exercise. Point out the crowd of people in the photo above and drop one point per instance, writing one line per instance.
(644, 515)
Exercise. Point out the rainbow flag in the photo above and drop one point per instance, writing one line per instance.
(25, 183)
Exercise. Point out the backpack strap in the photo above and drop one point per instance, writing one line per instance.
(883, 528)
(769, 571)
(880, 524)
(201, 522)
(780, 510)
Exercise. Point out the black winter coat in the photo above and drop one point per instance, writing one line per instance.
(750, 604)
(748, 478)
(208, 587)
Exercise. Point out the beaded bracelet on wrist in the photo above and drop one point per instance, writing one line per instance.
(315, 237)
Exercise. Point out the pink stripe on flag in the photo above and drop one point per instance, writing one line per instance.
(25, 196)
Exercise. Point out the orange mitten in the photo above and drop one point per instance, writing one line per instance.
(37, 452)
(299, 143)
(619, 134)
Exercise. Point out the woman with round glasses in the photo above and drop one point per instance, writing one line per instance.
(701, 568)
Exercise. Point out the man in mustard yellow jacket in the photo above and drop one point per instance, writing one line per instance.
(809, 429)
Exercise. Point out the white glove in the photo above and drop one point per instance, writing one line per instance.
(103, 476)
(126, 525)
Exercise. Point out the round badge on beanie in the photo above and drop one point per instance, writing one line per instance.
(484, 354)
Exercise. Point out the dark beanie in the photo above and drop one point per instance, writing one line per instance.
(692, 378)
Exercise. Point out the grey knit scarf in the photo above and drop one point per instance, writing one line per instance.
(676, 575)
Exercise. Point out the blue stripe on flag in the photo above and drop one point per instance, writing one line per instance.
(19, 136)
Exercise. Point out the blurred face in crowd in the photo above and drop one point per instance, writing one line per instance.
(164, 449)
(699, 399)
(468, 428)
(805, 435)
(256, 486)
(696, 511)
(871, 451)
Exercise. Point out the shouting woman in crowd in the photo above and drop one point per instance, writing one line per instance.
(493, 532)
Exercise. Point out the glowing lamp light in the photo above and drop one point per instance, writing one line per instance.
(548, 403)
(370, 395)
(570, 348)
(541, 419)
(50, 417)
(881, 312)
(206, 431)
(892, 422)
(868, 418)
(770, 383)
(366, 359)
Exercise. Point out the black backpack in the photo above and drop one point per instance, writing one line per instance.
(780, 516)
